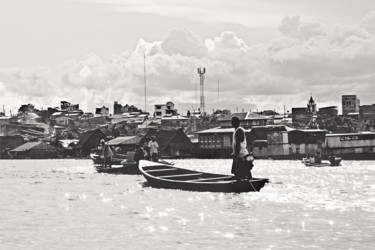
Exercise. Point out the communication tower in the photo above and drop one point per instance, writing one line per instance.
(201, 76)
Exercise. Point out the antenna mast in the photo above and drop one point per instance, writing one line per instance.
(201, 75)
(144, 71)
(218, 91)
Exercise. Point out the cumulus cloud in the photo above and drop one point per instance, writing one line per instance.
(307, 57)
(182, 41)
(369, 22)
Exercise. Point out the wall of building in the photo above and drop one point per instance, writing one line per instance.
(350, 141)
(300, 150)
(367, 113)
(350, 104)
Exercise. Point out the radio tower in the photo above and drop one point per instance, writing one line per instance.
(201, 76)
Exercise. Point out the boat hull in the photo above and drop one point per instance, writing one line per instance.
(334, 163)
(169, 177)
(128, 169)
(100, 161)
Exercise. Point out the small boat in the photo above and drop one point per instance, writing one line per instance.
(98, 160)
(129, 168)
(126, 168)
(160, 175)
(331, 163)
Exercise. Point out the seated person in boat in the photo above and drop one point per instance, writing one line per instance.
(106, 154)
(139, 154)
(332, 158)
(153, 145)
(318, 158)
(242, 163)
(312, 159)
(146, 148)
(307, 158)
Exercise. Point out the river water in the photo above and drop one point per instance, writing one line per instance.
(65, 204)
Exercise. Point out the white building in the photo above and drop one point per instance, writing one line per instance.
(164, 109)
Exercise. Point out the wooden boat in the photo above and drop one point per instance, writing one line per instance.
(126, 168)
(98, 160)
(129, 168)
(332, 163)
(164, 176)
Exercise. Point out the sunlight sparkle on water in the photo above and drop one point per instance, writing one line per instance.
(103, 211)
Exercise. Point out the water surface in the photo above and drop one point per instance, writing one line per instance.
(65, 204)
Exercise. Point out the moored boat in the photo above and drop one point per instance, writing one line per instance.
(126, 168)
(160, 175)
(129, 168)
(98, 160)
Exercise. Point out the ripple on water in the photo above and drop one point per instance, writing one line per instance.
(310, 207)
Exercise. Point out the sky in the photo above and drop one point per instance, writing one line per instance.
(258, 54)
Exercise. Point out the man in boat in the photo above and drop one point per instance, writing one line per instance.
(241, 166)
(106, 154)
(139, 154)
(318, 158)
(332, 158)
(147, 148)
(153, 145)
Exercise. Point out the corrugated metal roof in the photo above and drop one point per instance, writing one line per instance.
(175, 118)
(125, 140)
(219, 130)
(244, 116)
(29, 145)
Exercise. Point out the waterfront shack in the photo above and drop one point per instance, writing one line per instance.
(124, 143)
(270, 141)
(247, 120)
(351, 145)
(216, 142)
(304, 141)
(34, 150)
(175, 121)
(172, 142)
(89, 140)
(8, 143)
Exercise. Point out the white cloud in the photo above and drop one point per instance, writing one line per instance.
(182, 41)
(307, 57)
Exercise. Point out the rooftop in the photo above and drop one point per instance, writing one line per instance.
(244, 116)
(219, 130)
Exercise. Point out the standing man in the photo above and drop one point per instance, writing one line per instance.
(240, 167)
(106, 154)
(153, 145)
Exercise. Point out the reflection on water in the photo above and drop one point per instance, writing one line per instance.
(65, 204)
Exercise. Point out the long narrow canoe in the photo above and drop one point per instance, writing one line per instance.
(170, 177)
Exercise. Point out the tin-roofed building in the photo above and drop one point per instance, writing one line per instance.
(34, 150)
(89, 140)
(247, 120)
(172, 142)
